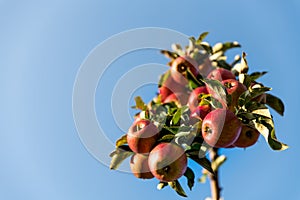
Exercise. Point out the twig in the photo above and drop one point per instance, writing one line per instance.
(214, 179)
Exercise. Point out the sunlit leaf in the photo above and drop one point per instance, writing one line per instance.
(177, 187)
(118, 156)
(140, 103)
(201, 37)
(266, 127)
(161, 185)
(121, 141)
(169, 54)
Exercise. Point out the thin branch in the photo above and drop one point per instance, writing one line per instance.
(214, 179)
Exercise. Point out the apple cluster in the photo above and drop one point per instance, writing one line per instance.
(202, 102)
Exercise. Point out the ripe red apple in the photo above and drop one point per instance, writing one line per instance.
(167, 162)
(221, 74)
(142, 136)
(179, 98)
(180, 66)
(139, 166)
(235, 89)
(221, 128)
(201, 111)
(170, 86)
(195, 97)
(247, 138)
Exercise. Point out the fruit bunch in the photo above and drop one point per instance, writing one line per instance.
(203, 102)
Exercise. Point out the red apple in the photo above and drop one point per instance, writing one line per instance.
(180, 66)
(221, 128)
(142, 136)
(235, 89)
(201, 111)
(179, 98)
(247, 138)
(167, 162)
(170, 86)
(139, 166)
(195, 97)
(221, 74)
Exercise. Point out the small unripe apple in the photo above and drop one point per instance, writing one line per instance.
(221, 128)
(195, 97)
(247, 138)
(167, 162)
(221, 74)
(139, 166)
(180, 66)
(142, 136)
(235, 89)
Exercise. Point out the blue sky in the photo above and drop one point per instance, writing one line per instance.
(43, 44)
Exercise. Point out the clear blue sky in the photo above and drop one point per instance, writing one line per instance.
(42, 45)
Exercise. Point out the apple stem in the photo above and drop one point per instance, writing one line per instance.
(214, 179)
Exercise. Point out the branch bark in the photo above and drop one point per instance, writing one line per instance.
(214, 179)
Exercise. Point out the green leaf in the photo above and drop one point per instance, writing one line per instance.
(201, 37)
(167, 138)
(255, 75)
(258, 91)
(223, 64)
(223, 47)
(177, 187)
(206, 47)
(176, 116)
(204, 162)
(140, 103)
(194, 81)
(118, 156)
(169, 54)
(248, 95)
(266, 127)
(202, 179)
(121, 141)
(163, 78)
(219, 91)
(190, 175)
(161, 185)
(275, 103)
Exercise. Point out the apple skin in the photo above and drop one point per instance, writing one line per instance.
(179, 69)
(247, 138)
(142, 136)
(179, 98)
(170, 86)
(201, 111)
(139, 166)
(167, 162)
(235, 89)
(221, 128)
(220, 74)
(195, 97)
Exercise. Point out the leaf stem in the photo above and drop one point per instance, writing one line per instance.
(214, 179)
